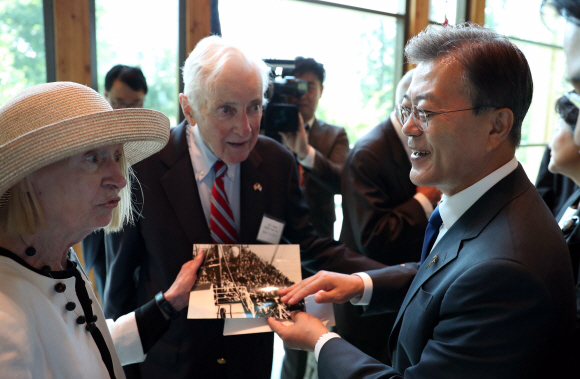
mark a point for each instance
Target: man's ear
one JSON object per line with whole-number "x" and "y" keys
{"x": 502, "y": 120}
{"x": 106, "y": 94}
{"x": 186, "y": 108}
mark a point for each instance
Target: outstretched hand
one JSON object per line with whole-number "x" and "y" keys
{"x": 327, "y": 287}
{"x": 303, "y": 334}
{"x": 178, "y": 294}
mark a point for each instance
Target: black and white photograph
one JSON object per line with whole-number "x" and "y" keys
{"x": 242, "y": 281}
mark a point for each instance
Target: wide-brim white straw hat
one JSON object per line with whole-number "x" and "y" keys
{"x": 50, "y": 122}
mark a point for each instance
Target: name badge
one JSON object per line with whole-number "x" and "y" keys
{"x": 271, "y": 230}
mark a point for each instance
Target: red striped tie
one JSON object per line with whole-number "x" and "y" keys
{"x": 222, "y": 219}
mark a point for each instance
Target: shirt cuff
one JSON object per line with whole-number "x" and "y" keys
{"x": 125, "y": 336}
{"x": 365, "y": 299}
{"x": 425, "y": 204}
{"x": 308, "y": 162}
{"x": 321, "y": 341}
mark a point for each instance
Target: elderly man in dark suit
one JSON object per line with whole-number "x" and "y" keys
{"x": 494, "y": 294}
{"x": 216, "y": 181}
{"x": 385, "y": 216}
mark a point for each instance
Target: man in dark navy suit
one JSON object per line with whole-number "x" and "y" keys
{"x": 494, "y": 295}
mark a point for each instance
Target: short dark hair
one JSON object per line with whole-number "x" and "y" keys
{"x": 131, "y": 76}
{"x": 303, "y": 65}
{"x": 496, "y": 73}
{"x": 569, "y": 9}
{"x": 567, "y": 111}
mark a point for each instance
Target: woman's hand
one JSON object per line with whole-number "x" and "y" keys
{"x": 178, "y": 294}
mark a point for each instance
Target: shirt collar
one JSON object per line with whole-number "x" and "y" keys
{"x": 453, "y": 207}
{"x": 203, "y": 157}
{"x": 310, "y": 123}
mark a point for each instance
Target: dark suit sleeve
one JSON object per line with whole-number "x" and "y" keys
{"x": 125, "y": 251}
{"x": 379, "y": 225}
{"x": 390, "y": 285}
{"x": 573, "y": 241}
{"x": 483, "y": 330}
{"x": 316, "y": 253}
{"x": 327, "y": 171}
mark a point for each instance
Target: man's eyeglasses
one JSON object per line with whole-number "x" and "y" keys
{"x": 420, "y": 116}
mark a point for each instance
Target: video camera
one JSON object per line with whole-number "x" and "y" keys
{"x": 279, "y": 116}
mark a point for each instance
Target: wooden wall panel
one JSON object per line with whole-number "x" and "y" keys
{"x": 418, "y": 19}
{"x": 418, "y": 16}
{"x": 198, "y": 22}
{"x": 72, "y": 41}
{"x": 476, "y": 11}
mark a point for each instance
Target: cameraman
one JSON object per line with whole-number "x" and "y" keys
{"x": 320, "y": 149}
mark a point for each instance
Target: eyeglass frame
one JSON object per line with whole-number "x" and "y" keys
{"x": 427, "y": 114}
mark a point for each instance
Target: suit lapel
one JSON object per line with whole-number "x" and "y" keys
{"x": 473, "y": 221}
{"x": 253, "y": 189}
{"x": 316, "y": 140}
{"x": 446, "y": 250}
{"x": 315, "y": 136}
{"x": 180, "y": 187}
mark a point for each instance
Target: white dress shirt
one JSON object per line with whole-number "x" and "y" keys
{"x": 203, "y": 160}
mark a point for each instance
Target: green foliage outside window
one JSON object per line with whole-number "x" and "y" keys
{"x": 22, "y": 52}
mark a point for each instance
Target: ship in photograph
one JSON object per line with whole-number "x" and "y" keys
{"x": 242, "y": 281}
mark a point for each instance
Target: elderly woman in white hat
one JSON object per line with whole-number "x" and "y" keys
{"x": 65, "y": 159}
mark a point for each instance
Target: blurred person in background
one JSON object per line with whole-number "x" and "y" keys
{"x": 320, "y": 150}
{"x": 125, "y": 87}
{"x": 385, "y": 216}
{"x": 565, "y": 160}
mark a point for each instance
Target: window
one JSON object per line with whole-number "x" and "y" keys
{"x": 543, "y": 50}
{"x": 22, "y": 51}
{"x": 440, "y": 9}
{"x": 141, "y": 34}
{"x": 361, "y": 51}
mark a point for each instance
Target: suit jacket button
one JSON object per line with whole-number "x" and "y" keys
{"x": 70, "y": 306}
{"x": 221, "y": 361}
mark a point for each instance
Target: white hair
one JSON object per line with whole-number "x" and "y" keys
{"x": 205, "y": 63}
